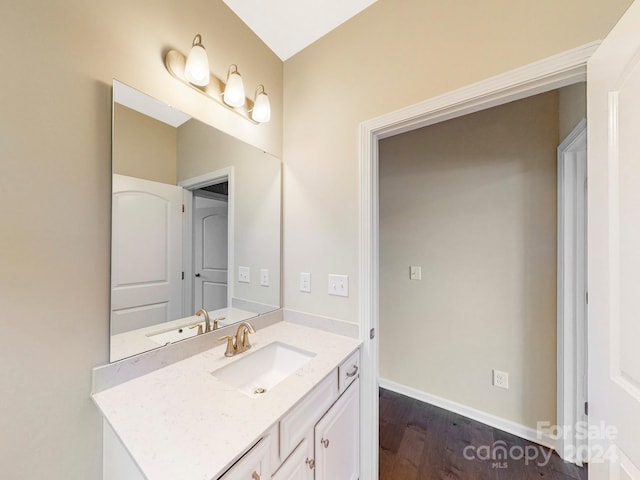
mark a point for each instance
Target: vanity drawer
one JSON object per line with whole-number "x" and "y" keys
{"x": 297, "y": 423}
{"x": 348, "y": 371}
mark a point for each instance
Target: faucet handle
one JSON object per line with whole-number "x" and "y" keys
{"x": 215, "y": 322}
{"x": 231, "y": 348}
{"x": 198, "y": 326}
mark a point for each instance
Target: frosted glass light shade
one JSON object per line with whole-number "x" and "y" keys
{"x": 234, "y": 91}
{"x": 196, "y": 69}
{"x": 261, "y": 108}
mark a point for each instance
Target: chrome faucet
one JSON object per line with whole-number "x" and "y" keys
{"x": 207, "y": 320}
{"x": 240, "y": 343}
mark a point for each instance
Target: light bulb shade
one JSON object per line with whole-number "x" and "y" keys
{"x": 234, "y": 91}
{"x": 261, "y": 108}
{"x": 196, "y": 69}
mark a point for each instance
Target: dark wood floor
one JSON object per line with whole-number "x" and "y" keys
{"x": 423, "y": 442}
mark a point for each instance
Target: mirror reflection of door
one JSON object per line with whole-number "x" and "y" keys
{"x": 146, "y": 281}
{"x": 210, "y": 224}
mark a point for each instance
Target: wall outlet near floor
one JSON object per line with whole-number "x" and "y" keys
{"x": 415, "y": 273}
{"x": 264, "y": 277}
{"x": 244, "y": 274}
{"x": 339, "y": 285}
{"x": 305, "y": 282}
{"x": 500, "y": 379}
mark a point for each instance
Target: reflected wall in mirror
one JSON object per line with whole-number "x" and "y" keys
{"x": 195, "y": 225}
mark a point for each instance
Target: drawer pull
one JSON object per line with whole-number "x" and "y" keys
{"x": 255, "y": 475}
{"x": 325, "y": 442}
{"x": 353, "y": 373}
{"x": 311, "y": 462}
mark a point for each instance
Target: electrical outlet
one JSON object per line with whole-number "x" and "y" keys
{"x": 305, "y": 282}
{"x": 500, "y": 379}
{"x": 264, "y": 277}
{"x": 244, "y": 274}
{"x": 415, "y": 273}
{"x": 339, "y": 285}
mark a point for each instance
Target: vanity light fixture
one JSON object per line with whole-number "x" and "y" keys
{"x": 194, "y": 72}
{"x": 234, "y": 91}
{"x": 261, "y": 112}
{"x": 197, "y": 67}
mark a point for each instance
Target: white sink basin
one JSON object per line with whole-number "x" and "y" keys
{"x": 258, "y": 372}
{"x": 176, "y": 334}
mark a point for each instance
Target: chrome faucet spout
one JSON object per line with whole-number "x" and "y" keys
{"x": 207, "y": 320}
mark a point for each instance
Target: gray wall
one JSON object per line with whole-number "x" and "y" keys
{"x": 473, "y": 201}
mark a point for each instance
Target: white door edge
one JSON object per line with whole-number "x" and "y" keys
{"x": 572, "y": 271}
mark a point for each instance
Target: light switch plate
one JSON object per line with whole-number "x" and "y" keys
{"x": 415, "y": 273}
{"x": 305, "y": 282}
{"x": 339, "y": 285}
{"x": 244, "y": 274}
{"x": 264, "y": 277}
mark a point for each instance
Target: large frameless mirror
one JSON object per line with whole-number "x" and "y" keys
{"x": 195, "y": 225}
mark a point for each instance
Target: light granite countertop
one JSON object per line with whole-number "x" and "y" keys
{"x": 182, "y": 422}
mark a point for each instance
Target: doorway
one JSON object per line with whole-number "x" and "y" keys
{"x": 208, "y": 229}
{"x": 210, "y": 246}
{"x": 555, "y": 72}
{"x": 470, "y": 204}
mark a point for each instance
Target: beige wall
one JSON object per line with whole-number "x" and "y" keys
{"x": 573, "y": 107}
{"x": 392, "y": 55}
{"x": 257, "y": 184}
{"x": 56, "y": 141}
{"x": 143, "y": 147}
{"x": 473, "y": 202}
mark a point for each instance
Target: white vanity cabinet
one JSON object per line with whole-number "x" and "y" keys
{"x": 325, "y": 440}
{"x": 337, "y": 438}
{"x": 254, "y": 465}
{"x": 300, "y": 464}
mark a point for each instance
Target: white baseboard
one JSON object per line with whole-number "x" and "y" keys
{"x": 503, "y": 424}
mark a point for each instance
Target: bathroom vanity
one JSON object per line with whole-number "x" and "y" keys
{"x": 288, "y": 408}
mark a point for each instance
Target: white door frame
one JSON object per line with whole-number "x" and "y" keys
{"x": 549, "y": 74}
{"x": 572, "y": 293}
{"x": 189, "y": 185}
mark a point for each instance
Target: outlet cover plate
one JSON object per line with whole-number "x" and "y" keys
{"x": 500, "y": 379}
{"x": 264, "y": 277}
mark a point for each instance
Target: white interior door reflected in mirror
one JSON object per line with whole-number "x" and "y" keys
{"x": 146, "y": 256}
{"x": 210, "y": 251}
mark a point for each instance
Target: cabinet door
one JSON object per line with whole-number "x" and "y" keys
{"x": 254, "y": 465}
{"x": 300, "y": 464}
{"x": 337, "y": 438}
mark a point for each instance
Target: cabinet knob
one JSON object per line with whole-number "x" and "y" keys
{"x": 325, "y": 442}
{"x": 311, "y": 462}
{"x": 255, "y": 475}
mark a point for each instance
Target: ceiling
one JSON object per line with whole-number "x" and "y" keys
{"x": 288, "y": 26}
